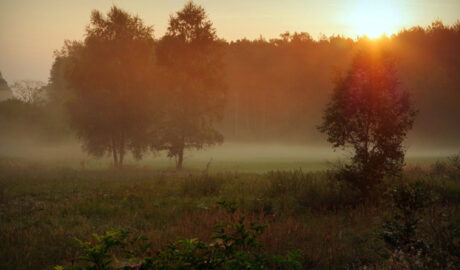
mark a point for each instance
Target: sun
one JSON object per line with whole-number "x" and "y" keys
{"x": 374, "y": 18}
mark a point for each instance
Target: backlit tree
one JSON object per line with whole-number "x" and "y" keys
{"x": 370, "y": 113}
{"x": 109, "y": 78}
{"x": 191, "y": 58}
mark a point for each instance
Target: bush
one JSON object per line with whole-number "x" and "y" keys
{"x": 420, "y": 234}
{"x": 449, "y": 169}
{"x": 235, "y": 246}
{"x": 446, "y": 175}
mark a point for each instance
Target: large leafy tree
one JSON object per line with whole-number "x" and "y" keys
{"x": 109, "y": 81}
{"x": 371, "y": 114}
{"x": 191, "y": 58}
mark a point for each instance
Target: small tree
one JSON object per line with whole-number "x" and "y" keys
{"x": 191, "y": 59}
{"x": 109, "y": 76}
{"x": 372, "y": 114}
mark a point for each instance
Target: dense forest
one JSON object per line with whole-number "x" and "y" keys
{"x": 277, "y": 88}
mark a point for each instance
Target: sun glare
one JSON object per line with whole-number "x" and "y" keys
{"x": 374, "y": 18}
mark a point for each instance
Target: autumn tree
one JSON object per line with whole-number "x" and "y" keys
{"x": 109, "y": 79}
{"x": 191, "y": 59}
{"x": 371, "y": 114}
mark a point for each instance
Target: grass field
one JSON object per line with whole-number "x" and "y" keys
{"x": 42, "y": 209}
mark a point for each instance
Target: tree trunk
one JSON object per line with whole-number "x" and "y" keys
{"x": 180, "y": 159}
{"x": 121, "y": 152}
{"x": 120, "y": 160}
{"x": 115, "y": 156}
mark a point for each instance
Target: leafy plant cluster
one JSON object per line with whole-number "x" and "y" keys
{"x": 421, "y": 233}
{"x": 234, "y": 245}
{"x": 449, "y": 169}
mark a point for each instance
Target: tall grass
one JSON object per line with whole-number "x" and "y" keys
{"x": 43, "y": 209}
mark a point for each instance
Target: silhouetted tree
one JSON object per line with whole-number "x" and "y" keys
{"x": 109, "y": 77}
{"x": 371, "y": 113}
{"x": 192, "y": 61}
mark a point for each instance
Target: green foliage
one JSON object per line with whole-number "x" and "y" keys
{"x": 229, "y": 206}
{"x": 420, "y": 233}
{"x": 97, "y": 253}
{"x": 234, "y": 246}
{"x": 408, "y": 200}
{"x": 449, "y": 169}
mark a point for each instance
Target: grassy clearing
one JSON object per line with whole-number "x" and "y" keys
{"x": 42, "y": 209}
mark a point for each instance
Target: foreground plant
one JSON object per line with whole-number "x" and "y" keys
{"x": 420, "y": 233}
{"x": 235, "y": 245}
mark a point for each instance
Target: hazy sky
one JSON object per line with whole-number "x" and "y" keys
{"x": 31, "y": 30}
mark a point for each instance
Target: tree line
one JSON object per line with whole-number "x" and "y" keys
{"x": 278, "y": 87}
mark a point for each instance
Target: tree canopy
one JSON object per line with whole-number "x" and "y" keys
{"x": 110, "y": 80}
{"x": 191, "y": 57}
{"x": 371, "y": 113}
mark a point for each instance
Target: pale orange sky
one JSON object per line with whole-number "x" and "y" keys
{"x": 30, "y": 30}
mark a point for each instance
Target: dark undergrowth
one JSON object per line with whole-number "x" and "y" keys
{"x": 406, "y": 223}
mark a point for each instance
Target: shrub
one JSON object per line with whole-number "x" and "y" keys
{"x": 449, "y": 169}
{"x": 235, "y": 245}
{"x": 419, "y": 233}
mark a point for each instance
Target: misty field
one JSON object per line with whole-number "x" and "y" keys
{"x": 159, "y": 142}
{"x": 44, "y": 208}
{"x": 233, "y": 157}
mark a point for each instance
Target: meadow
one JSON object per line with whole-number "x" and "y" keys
{"x": 341, "y": 149}
{"x": 44, "y": 208}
